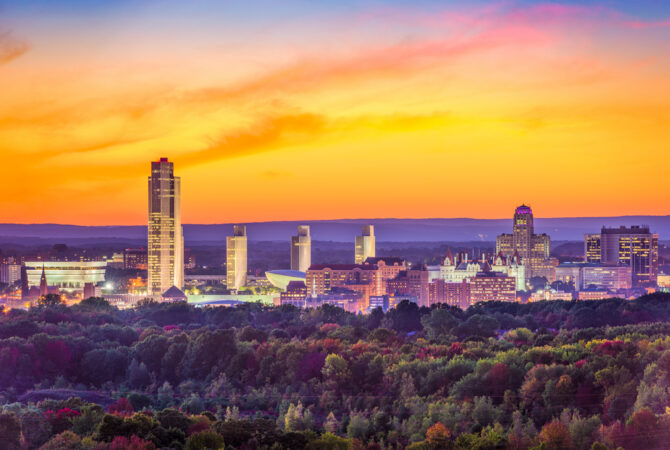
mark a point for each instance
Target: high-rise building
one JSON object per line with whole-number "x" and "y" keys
{"x": 533, "y": 249}
{"x": 365, "y": 244}
{"x": 10, "y": 273}
{"x": 236, "y": 258}
{"x": 301, "y": 249}
{"x": 165, "y": 251}
{"x": 592, "y": 248}
{"x": 635, "y": 247}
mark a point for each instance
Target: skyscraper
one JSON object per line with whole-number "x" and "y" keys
{"x": 634, "y": 246}
{"x": 533, "y": 249}
{"x": 165, "y": 251}
{"x": 365, "y": 244}
{"x": 236, "y": 258}
{"x": 301, "y": 249}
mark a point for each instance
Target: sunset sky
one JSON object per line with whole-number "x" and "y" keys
{"x": 320, "y": 110}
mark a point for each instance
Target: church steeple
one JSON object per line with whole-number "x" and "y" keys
{"x": 44, "y": 289}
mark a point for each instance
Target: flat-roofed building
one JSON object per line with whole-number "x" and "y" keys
{"x": 135, "y": 258}
{"x": 301, "y": 249}
{"x": 633, "y": 246}
{"x": 67, "y": 276}
{"x": 365, "y": 244}
{"x": 10, "y": 273}
{"x": 492, "y": 287}
{"x": 236, "y": 258}
{"x": 165, "y": 249}
{"x": 321, "y": 278}
{"x": 452, "y": 294}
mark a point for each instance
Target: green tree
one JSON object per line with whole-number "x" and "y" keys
{"x": 205, "y": 440}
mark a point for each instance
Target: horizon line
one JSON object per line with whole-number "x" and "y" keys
{"x": 343, "y": 219}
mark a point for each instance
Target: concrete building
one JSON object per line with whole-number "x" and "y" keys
{"x": 452, "y": 294}
{"x": 389, "y": 266}
{"x": 611, "y": 278}
{"x": 456, "y": 270}
{"x": 135, "y": 258}
{"x": 492, "y": 286}
{"x": 413, "y": 282}
{"x": 165, "y": 250}
{"x": 69, "y": 276}
{"x": 322, "y": 278}
{"x": 10, "y": 273}
{"x": 634, "y": 246}
{"x": 301, "y": 249}
{"x": 365, "y": 244}
{"x": 236, "y": 258}
{"x": 533, "y": 249}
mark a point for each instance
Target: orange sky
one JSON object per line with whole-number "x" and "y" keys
{"x": 394, "y": 112}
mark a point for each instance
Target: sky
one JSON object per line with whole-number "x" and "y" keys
{"x": 321, "y": 110}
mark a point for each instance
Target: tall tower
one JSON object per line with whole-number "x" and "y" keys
{"x": 301, "y": 249}
{"x": 523, "y": 231}
{"x": 236, "y": 258}
{"x": 365, "y": 244}
{"x": 165, "y": 250}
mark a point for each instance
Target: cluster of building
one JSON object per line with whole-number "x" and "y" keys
{"x": 618, "y": 261}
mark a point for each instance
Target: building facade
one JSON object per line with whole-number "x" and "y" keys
{"x": 70, "y": 276}
{"x": 10, "y": 273}
{"x": 492, "y": 286}
{"x": 452, "y": 294}
{"x": 365, "y": 244}
{"x": 236, "y": 258}
{"x": 135, "y": 258}
{"x": 301, "y": 249}
{"x": 165, "y": 250}
{"x": 533, "y": 249}
{"x": 635, "y": 247}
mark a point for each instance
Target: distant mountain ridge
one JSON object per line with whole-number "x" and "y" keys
{"x": 342, "y": 230}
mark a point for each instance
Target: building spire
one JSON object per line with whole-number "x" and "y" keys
{"x": 44, "y": 288}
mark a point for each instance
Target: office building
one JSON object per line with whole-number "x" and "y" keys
{"x": 301, "y": 249}
{"x": 236, "y": 258}
{"x": 295, "y": 294}
{"x": 165, "y": 250}
{"x": 365, "y": 244}
{"x": 389, "y": 266}
{"x": 135, "y": 258}
{"x": 492, "y": 286}
{"x": 452, "y": 294}
{"x": 592, "y": 248}
{"x": 413, "y": 282}
{"x": 635, "y": 247}
{"x": 533, "y": 249}
{"x": 69, "y": 276}
{"x": 10, "y": 273}
{"x": 322, "y": 278}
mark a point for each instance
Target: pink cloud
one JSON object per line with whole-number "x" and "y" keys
{"x": 639, "y": 24}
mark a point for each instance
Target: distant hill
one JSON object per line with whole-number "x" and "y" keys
{"x": 344, "y": 230}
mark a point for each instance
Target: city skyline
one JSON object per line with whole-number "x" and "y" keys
{"x": 436, "y": 97}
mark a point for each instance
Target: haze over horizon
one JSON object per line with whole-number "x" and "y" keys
{"x": 360, "y": 108}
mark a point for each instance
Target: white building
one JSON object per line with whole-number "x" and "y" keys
{"x": 68, "y": 276}
{"x": 365, "y": 245}
{"x": 236, "y": 258}
{"x": 455, "y": 270}
{"x": 301, "y": 249}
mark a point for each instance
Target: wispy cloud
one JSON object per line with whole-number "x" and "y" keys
{"x": 11, "y": 48}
